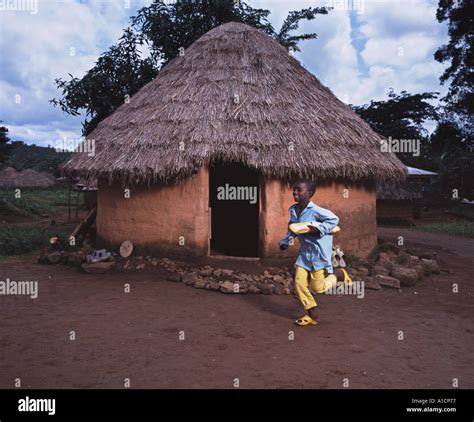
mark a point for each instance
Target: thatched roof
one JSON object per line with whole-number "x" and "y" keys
{"x": 33, "y": 178}
{"x": 235, "y": 95}
{"x": 7, "y": 176}
{"x": 397, "y": 191}
{"x": 10, "y": 177}
{"x": 49, "y": 176}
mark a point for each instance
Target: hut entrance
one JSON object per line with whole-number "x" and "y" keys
{"x": 234, "y": 203}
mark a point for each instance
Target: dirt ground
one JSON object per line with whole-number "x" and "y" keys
{"x": 136, "y": 335}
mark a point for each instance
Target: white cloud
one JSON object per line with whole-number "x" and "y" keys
{"x": 65, "y": 36}
{"x": 394, "y": 17}
{"x": 401, "y": 38}
{"x": 356, "y": 54}
{"x": 390, "y": 45}
{"x": 43, "y": 135}
{"x": 400, "y": 52}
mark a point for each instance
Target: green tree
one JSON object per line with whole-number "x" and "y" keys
{"x": 162, "y": 29}
{"x": 402, "y": 116}
{"x": 452, "y": 141}
{"x": 118, "y": 72}
{"x": 5, "y": 146}
{"x": 23, "y": 156}
{"x": 453, "y": 158}
{"x": 459, "y": 53}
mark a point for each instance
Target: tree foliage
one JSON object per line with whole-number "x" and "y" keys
{"x": 5, "y": 146}
{"x": 459, "y": 53}
{"x": 402, "y": 116}
{"x": 156, "y": 35}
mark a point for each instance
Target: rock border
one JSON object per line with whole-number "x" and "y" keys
{"x": 389, "y": 266}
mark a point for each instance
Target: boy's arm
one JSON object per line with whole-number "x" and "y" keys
{"x": 288, "y": 239}
{"x": 328, "y": 220}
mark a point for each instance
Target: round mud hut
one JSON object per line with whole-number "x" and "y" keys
{"x": 200, "y": 160}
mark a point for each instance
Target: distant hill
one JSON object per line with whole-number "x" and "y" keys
{"x": 23, "y": 156}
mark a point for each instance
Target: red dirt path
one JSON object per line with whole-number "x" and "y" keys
{"x": 135, "y": 335}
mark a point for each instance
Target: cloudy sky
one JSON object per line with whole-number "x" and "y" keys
{"x": 363, "y": 48}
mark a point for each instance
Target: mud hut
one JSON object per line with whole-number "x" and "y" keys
{"x": 235, "y": 111}
{"x": 396, "y": 202}
{"x": 423, "y": 179}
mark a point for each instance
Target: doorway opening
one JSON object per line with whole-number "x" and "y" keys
{"x": 234, "y": 203}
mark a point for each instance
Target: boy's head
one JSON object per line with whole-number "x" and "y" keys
{"x": 303, "y": 190}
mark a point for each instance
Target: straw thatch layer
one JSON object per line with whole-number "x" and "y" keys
{"x": 7, "y": 176}
{"x": 26, "y": 178}
{"x": 33, "y": 178}
{"x": 236, "y": 95}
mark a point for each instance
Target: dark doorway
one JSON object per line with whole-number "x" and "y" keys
{"x": 234, "y": 202}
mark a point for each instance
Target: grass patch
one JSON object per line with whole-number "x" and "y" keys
{"x": 15, "y": 240}
{"x": 463, "y": 210}
{"x": 455, "y": 228}
{"x": 35, "y": 201}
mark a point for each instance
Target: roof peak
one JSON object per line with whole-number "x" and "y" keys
{"x": 235, "y": 95}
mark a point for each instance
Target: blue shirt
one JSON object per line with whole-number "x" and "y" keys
{"x": 315, "y": 249}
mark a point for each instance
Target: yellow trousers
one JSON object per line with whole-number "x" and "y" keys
{"x": 307, "y": 281}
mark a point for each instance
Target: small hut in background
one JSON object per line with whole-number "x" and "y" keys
{"x": 33, "y": 178}
{"x": 396, "y": 202}
{"x": 7, "y": 176}
{"x": 235, "y": 111}
{"x": 422, "y": 179}
{"x": 27, "y": 178}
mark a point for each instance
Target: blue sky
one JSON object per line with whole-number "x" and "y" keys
{"x": 364, "y": 47}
